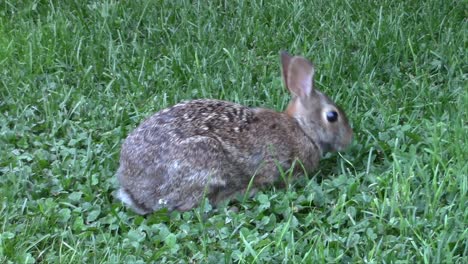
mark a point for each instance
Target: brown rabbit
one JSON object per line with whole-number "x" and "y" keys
{"x": 214, "y": 148}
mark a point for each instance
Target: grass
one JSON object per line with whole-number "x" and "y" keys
{"x": 77, "y": 76}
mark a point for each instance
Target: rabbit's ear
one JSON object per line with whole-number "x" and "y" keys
{"x": 298, "y": 74}
{"x": 285, "y": 61}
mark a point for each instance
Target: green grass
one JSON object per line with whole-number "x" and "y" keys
{"x": 77, "y": 76}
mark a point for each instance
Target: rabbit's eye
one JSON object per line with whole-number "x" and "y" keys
{"x": 332, "y": 116}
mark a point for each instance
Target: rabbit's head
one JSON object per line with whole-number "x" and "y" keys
{"x": 322, "y": 120}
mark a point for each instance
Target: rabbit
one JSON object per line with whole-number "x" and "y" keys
{"x": 216, "y": 149}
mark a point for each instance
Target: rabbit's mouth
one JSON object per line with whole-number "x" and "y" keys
{"x": 326, "y": 147}
{"x": 330, "y": 147}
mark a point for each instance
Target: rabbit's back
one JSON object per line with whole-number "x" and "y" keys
{"x": 160, "y": 136}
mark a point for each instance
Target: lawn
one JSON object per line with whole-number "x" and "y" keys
{"x": 77, "y": 76}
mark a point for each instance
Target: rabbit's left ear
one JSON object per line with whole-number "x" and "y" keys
{"x": 298, "y": 74}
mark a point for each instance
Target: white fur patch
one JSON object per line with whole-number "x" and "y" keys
{"x": 123, "y": 196}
